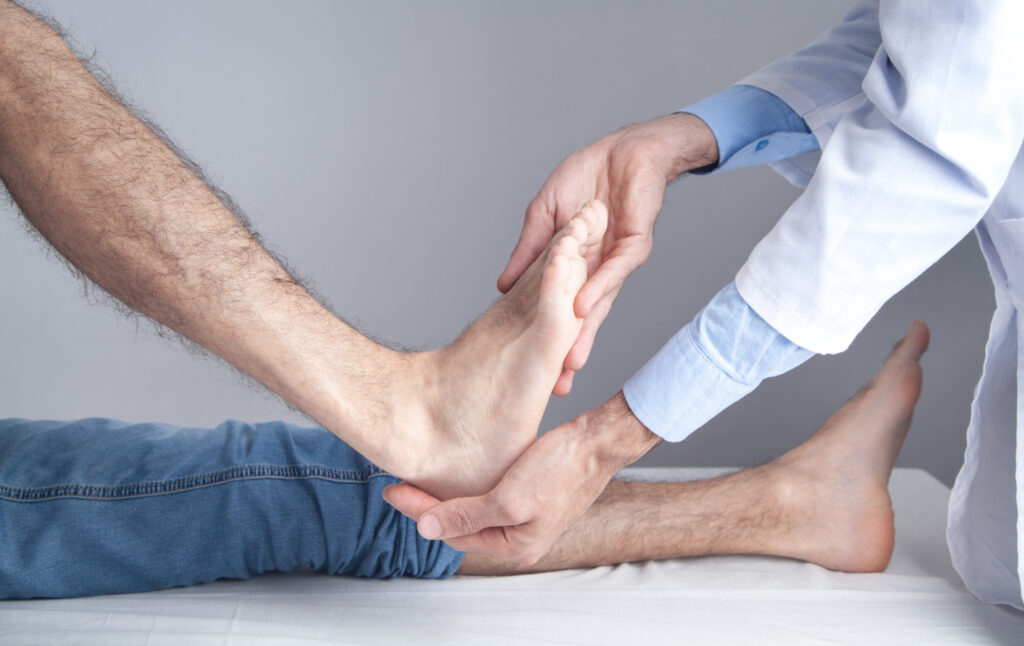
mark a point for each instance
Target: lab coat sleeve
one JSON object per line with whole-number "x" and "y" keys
{"x": 728, "y": 349}
{"x": 904, "y": 175}
{"x": 822, "y": 82}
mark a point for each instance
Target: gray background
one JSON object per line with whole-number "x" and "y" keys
{"x": 388, "y": 150}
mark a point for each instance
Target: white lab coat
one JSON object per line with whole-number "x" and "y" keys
{"x": 919, "y": 109}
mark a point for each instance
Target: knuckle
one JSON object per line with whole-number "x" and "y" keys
{"x": 541, "y": 210}
{"x": 643, "y": 251}
{"x": 520, "y": 514}
{"x": 509, "y": 510}
{"x": 459, "y": 521}
{"x": 533, "y": 211}
{"x": 580, "y": 157}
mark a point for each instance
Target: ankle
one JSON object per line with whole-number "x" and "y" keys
{"x": 839, "y": 524}
{"x": 407, "y": 389}
{"x": 784, "y": 489}
{"x": 372, "y": 404}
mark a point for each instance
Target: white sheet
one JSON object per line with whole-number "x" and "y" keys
{"x": 714, "y": 600}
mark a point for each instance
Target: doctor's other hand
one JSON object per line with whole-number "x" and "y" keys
{"x": 551, "y": 484}
{"x": 628, "y": 170}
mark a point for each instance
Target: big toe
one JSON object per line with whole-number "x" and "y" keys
{"x": 899, "y": 380}
{"x": 914, "y": 344}
{"x": 564, "y": 273}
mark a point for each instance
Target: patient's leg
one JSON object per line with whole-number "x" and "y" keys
{"x": 122, "y": 205}
{"x": 97, "y": 506}
{"x": 825, "y": 501}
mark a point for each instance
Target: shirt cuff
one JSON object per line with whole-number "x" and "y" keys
{"x": 680, "y": 389}
{"x": 752, "y": 127}
{"x": 723, "y": 354}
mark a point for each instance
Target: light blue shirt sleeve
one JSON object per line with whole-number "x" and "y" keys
{"x": 728, "y": 349}
{"x": 722, "y": 355}
{"x": 752, "y": 127}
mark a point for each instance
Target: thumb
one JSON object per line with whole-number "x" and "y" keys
{"x": 409, "y": 500}
{"x": 629, "y": 254}
{"x": 462, "y": 517}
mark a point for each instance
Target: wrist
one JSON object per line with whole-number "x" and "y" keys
{"x": 616, "y": 437}
{"x": 686, "y": 143}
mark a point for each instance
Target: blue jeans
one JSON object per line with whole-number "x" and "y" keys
{"x": 99, "y": 506}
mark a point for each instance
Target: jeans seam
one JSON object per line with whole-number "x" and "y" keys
{"x": 142, "y": 489}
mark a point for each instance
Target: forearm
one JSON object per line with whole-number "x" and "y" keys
{"x": 115, "y": 201}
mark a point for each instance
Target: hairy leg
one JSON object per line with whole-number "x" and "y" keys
{"x": 120, "y": 205}
{"x": 825, "y": 501}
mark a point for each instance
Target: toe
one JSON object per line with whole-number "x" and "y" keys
{"x": 564, "y": 274}
{"x": 586, "y": 227}
{"x": 594, "y": 215}
{"x": 554, "y": 302}
{"x": 567, "y": 246}
{"x": 914, "y": 343}
{"x": 921, "y": 336}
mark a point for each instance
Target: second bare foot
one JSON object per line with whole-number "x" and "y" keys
{"x": 831, "y": 491}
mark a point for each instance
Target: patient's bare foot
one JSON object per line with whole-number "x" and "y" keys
{"x": 831, "y": 491}
{"x": 483, "y": 396}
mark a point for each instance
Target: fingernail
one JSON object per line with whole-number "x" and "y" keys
{"x": 429, "y": 527}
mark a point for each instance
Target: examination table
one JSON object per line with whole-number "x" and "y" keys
{"x": 746, "y": 600}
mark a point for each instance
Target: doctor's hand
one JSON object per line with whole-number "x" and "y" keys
{"x": 551, "y": 484}
{"x": 628, "y": 170}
